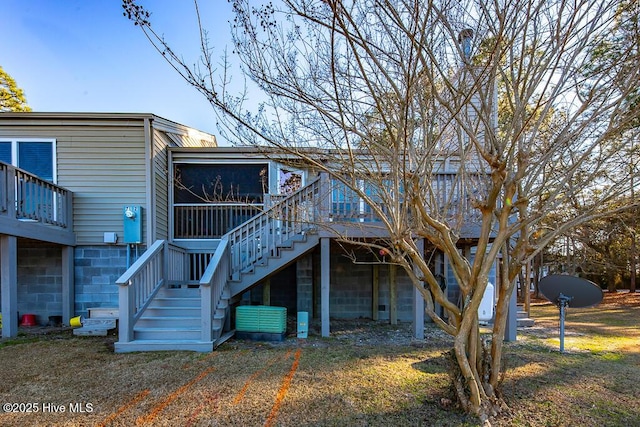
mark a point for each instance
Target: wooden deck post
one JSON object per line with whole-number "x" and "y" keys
{"x": 418, "y": 302}
{"x": 393, "y": 295}
{"x": 266, "y": 292}
{"x": 325, "y": 269}
{"x": 9, "y": 285}
{"x": 125, "y": 320}
{"x": 206, "y": 313}
{"x": 68, "y": 284}
{"x": 325, "y": 198}
{"x": 511, "y": 329}
{"x": 527, "y": 284}
{"x": 375, "y": 296}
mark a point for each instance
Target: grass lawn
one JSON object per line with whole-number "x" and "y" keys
{"x": 366, "y": 374}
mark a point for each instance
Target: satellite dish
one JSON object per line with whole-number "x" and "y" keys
{"x": 582, "y": 293}
{"x": 569, "y": 291}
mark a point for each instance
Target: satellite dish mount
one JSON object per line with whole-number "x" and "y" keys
{"x": 563, "y": 303}
{"x": 567, "y": 291}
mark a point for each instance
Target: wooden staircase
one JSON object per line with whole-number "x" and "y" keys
{"x": 173, "y": 321}
{"x": 174, "y": 314}
{"x": 161, "y": 307}
{"x": 281, "y": 257}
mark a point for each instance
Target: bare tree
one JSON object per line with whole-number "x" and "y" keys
{"x": 398, "y": 101}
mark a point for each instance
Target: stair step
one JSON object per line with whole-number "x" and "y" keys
{"x": 103, "y": 312}
{"x": 296, "y": 238}
{"x": 154, "y": 311}
{"x": 99, "y": 322}
{"x": 525, "y": 322}
{"x": 168, "y": 322}
{"x": 89, "y": 332}
{"x": 165, "y": 334}
{"x": 164, "y": 345}
{"x": 175, "y": 302}
{"x": 95, "y": 327}
{"x": 179, "y": 292}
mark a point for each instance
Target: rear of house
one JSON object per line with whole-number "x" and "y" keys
{"x": 176, "y": 232}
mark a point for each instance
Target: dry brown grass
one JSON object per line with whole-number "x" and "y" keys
{"x": 367, "y": 374}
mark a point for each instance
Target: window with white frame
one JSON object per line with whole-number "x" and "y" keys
{"x": 36, "y": 156}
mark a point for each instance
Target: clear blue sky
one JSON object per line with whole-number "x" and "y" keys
{"x": 84, "y": 55}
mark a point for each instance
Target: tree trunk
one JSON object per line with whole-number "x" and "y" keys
{"x": 489, "y": 403}
{"x": 632, "y": 281}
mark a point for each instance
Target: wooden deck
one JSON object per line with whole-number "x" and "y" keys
{"x": 333, "y": 209}
{"x": 32, "y": 208}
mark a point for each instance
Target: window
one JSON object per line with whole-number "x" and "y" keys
{"x": 347, "y": 205}
{"x": 36, "y": 156}
{"x": 220, "y": 183}
{"x": 5, "y": 151}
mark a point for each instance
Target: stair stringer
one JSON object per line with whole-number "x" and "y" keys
{"x": 272, "y": 264}
{"x": 221, "y": 320}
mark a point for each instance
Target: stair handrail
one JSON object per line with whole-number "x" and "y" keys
{"x": 142, "y": 281}
{"x": 262, "y": 234}
{"x": 212, "y": 285}
{"x": 268, "y": 211}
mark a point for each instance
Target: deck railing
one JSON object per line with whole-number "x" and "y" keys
{"x": 25, "y": 196}
{"x": 162, "y": 263}
{"x": 210, "y": 220}
{"x": 449, "y": 199}
{"x": 197, "y": 263}
{"x": 212, "y": 286}
{"x": 261, "y": 235}
{"x": 344, "y": 205}
{"x": 8, "y": 197}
